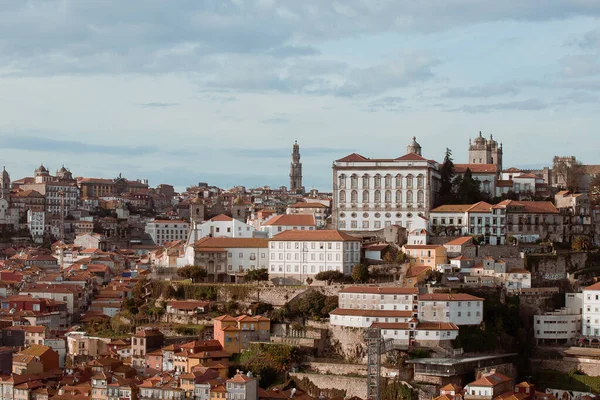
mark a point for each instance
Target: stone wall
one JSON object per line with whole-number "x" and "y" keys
{"x": 348, "y": 343}
{"x": 589, "y": 366}
{"x": 336, "y": 368}
{"x": 353, "y": 386}
{"x": 545, "y": 267}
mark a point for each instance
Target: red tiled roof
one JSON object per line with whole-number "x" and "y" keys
{"x": 323, "y": 235}
{"x": 449, "y": 297}
{"x": 411, "y": 157}
{"x": 307, "y": 205}
{"x": 292, "y": 220}
{"x": 459, "y": 241}
{"x": 353, "y": 158}
{"x": 534, "y": 207}
{"x": 221, "y": 218}
{"x": 491, "y": 380}
{"x": 595, "y": 286}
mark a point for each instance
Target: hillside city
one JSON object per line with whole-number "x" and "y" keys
{"x": 413, "y": 278}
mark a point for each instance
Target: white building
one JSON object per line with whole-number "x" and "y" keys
{"x": 414, "y": 332}
{"x": 169, "y": 230}
{"x": 280, "y": 223}
{"x": 222, "y": 226}
{"x": 370, "y": 194}
{"x": 365, "y": 318}
{"x": 591, "y": 311}
{"x": 560, "y": 326}
{"x": 360, "y": 306}
{"x": 471, "y": 219}
{"x": 378, "y": 298}
{"x": 297, "y": 254}
{"x": 458, "y": 308}
{"x": 36, "y": 223}
{"x": 488, "y": 386}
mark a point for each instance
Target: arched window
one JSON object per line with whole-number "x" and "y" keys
{"x": 388, "y": 196}
{"x": 377, "y": 196}
{"x": 388, "y": 181}
{"x": 420, "y": 196}
{"x": 342, "y": 183}
{"x": 365, "y": 196}
{"x": 365, "y": 181}
{"x": 420, "y": 181}
{"x": 354, "y": 196}
{"x": 398, "y": 196}
{"x": 354, "y": 181}
{"x": 398, "y": 181}
{"x": 409, "y": 196}
{"x": 377, "y": 181}
{"x": 409, "y": 181}
{"x": 342, "y": 196}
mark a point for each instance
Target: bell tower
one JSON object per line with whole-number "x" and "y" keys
{"x": 4, "y": 184}
{"x": 296, "y": 170}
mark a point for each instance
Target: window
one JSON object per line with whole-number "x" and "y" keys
{"x": 388, "y": 196}
{"x": 365, "y": 196}
{"x": 409, "y": 196}
{"x": 342, "y": 196}
{"x": 354, "y": 196}
{"x": 377, "y": 196}
{"x": 398, "y": 181}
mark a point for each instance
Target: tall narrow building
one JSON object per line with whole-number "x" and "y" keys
{"x": 296, "y": 170}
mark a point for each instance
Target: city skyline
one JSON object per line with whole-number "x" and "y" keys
{"x": 219, "y": 93}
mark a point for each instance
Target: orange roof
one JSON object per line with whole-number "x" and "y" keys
{"x": 459, "y": 241}
{"x": 595, "y": 286}
{"x": 450, "y": 386}
{"x": 411, "y": 157}
{"x": 241, "y": 378}
{"x": 475, "y": 168}
{"x": 221, "y": 218}
{"x": 423, "y": 246}
{"x": 322, "y": 235}
{"x": 307, "y": 205}
{"x": 504, "y": 183}
{"x": 292, "y": 220}
{"x": 417, "y": 270}
{"x": 535, "y": 207}
{"x": 491, "y": 380}
{"x": 446, "y": 208}
{"x": 482, "y": 206}
{"x": 449, "y": 297}
{"x": 436, "y": 326}
{"x": 227, "y": 242}
{"x": 353, "y": 158}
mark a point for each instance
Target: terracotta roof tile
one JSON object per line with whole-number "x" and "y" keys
{"x": 323, "y": 235}
{"x": 292, "y": 220}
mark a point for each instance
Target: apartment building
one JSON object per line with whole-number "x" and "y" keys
{"x": 296, "y": 255}
{"x": 458, "y": 308}
{"x": 162, "y": 231}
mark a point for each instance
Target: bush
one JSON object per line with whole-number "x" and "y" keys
{"x": 330, "y": 276}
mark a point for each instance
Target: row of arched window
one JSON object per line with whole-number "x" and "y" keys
{"x": 387, "y": 196}
{"x": 387, "y": 180}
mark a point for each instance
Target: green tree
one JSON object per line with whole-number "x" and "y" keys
{"x": 467, "y": 188}
{"x": 446, "y": 193}
{"x": 581, "y": 243}
{"x": 261, "y": 274}
{"x": 193, "y": 272}
{"x": 360, "y": 273}
{"x": 329, "y": 276}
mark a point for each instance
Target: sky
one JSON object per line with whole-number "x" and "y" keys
{"x": 187, "y": 91}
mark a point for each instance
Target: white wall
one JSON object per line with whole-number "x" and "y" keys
{"x": 591, "y": 313}
{"x": 457, "y": 312}
{"x": 308, "y": 258}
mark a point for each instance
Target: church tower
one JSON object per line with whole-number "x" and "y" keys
{"x": 4, "y": 184}
{"x": 413, "y": 147}
{"x": 296, "y": 170}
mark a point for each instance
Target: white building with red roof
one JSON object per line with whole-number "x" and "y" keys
{"x": 296, "y": 254}
{"x": 167, "y": 230}
{"x": 280, "y": 223}
{"x": 370, "y": 194}
{"x": 591, "y": 311}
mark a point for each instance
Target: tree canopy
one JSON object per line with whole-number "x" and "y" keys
{"x": 330, "y": 276}
{"x": 446, "y": 193}
{"x": 467, "y": 188}
{"x": 360, "y": 273}
{"x": 261, "y": 274}
{"x": 193, "y": 272}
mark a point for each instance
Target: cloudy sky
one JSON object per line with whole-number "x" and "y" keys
{"x": 186, "y": 91}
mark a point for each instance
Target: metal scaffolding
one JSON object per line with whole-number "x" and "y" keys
{"x": 374, "y": 350}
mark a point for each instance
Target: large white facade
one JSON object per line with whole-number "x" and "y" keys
{"x": 298, "y": 255}
{"x": 460, "y": 308}
{"x": 162, "y": 231}
{"x": 591, "y": 311}
{"x": 370, "y": 194}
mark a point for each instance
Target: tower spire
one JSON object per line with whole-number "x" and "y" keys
{"x": 296, "y": 170}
